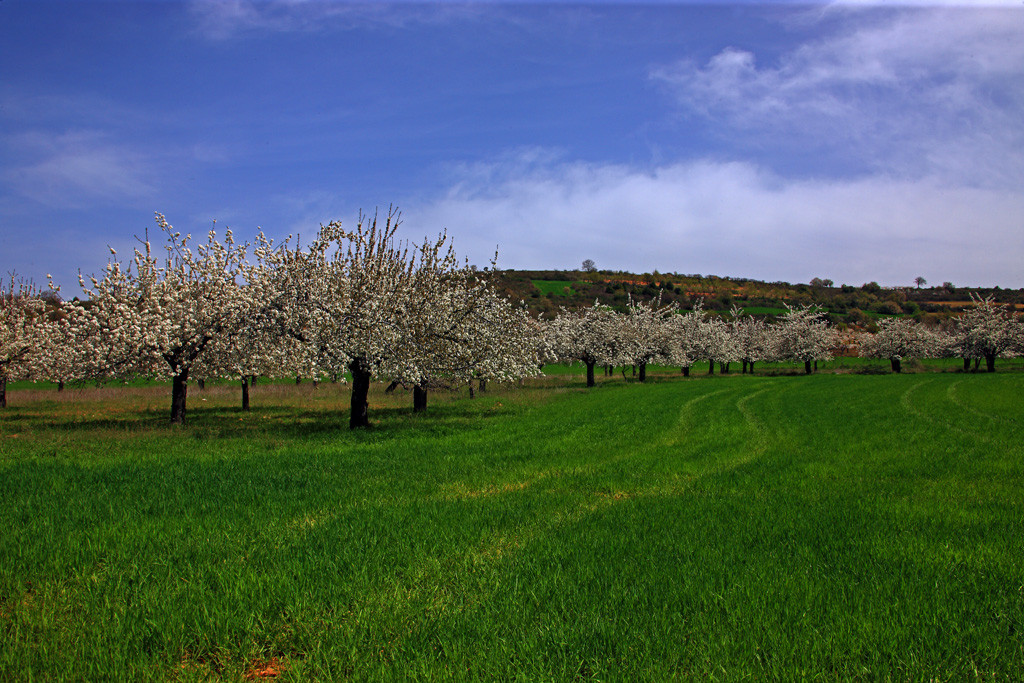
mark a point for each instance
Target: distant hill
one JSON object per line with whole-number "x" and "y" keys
{"x": 546, "y": 291}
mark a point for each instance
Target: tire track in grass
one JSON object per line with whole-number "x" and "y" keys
{"x": 431, "y": 586}
{"x": 751, "y": 419}
{"x": 906, "y": 400}
{"x": 951, "y": 395}
{"x": 676, "y": 433}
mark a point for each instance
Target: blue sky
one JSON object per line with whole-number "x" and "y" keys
{"x": 849, "y": 141}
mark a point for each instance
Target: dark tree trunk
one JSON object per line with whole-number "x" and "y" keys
{"x": 359, "y": 414}
{"x": 334, "y": 378}
{"x": 60, "y": 385}
{"x": 252, "y": 381}
{"x": 245, "y": 393}
{"x": 201, "y": 383}
{"x": 391, "y": 387}
{"x": 179, "y": 392}
{"x": 419, "y": 399}
{"x": 897, "y": 366}
{"x": 977, "y": 364}
{"x": 590, "y": 375}
{"x": 298, "y": 380}
{"x": 623, "y": 372}
{"x": 743, "y": 370}
{"x": 472, "y": 394}
{"x": 990, "y": 362}
{"x": 724, "y": 367}
{"x": 3, "y": 391}
{"x": 608, "y": 371}
{"x": 686, "y": 371}
{"x": 483, "y": 385}
{"x": 967, "y": 364}
{"x": 807, "y": 367}
{"x": 751, "y": 367}
{"x": 634, "y": 371}
{"x": 711, "y": 367}
{"x": 643, "y": 372}
{"x": 815, "y": 366}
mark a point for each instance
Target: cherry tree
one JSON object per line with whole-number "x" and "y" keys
{"x": 751, "y": 339}
{"x": 158, "y": 317}
{"x": 897, "y": 339}
{"x": 65, "y": 356}
{"x": 686, "y": 334}
{"x": 364, "y": 302}
{"x": 717, "y": 343}
{"x": 23, "y": 331}
{"x": 462, "y": 330}
{"x": 585, "y": 336}
{"x": 986, "y": 330}
{"x": 803, "y": 335}
{"x": 645, "y": 333}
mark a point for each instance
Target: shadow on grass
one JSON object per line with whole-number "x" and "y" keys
{"x": 268, "y": 421}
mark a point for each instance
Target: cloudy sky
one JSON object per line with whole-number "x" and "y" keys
{"x": 852, "y": 141}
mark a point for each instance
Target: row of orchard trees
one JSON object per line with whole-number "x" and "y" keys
{"x": 354, "y": 301}
{"x": 648, "y": 332}
{"x": 364, "y": 303}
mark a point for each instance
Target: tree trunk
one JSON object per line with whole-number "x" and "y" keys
{"x": 897, "y": 366}
{"x": 252, "y": 381}
{"x": 990, "y": 362}
{"x": 686, "y": 371}
{"x": 967, "y": 364}
{"x": 245, "y": 393}
{"x": 643, "y": 372}
{"x": 3, "y": 391}
{"x": 807, "y": 367}
{"x": 419, "y": 399}
{"x": 391, "y": 387}
{"x": 751, "y": 367}
{"x": 298, "y": 379}
{"x": 60, "y": 385}
{"x": 472, "y": 394}
{"x": 711, "y": 367}
{"x": 634, "y": 371}
{"x": 743, "y": 370}
{"x": 590, "y": 374}
{"x": 359, "y": 414}
{"x": 483, "y": 385}
{"x": 201, "y": 383}
{"x": 724, "y": 367}
{"x": 179, "y": 392}
{"x": 977, "y": 364}
{"x": 815, "y": 366}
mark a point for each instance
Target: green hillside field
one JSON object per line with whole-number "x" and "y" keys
{"x": 833, "y": 526}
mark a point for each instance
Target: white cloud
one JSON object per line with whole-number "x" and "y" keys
{"x": 76, "y": 168}
{"x": 732, "y": 219}
{"x": 225, "y": 19}
{"x": 915, "y": 92}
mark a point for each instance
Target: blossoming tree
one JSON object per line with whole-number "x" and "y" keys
{"x": 897, "y": 339}
{"x": 158, "y": 317}
{"x": 23, "y": 330}
{"x": 803, "y": 335}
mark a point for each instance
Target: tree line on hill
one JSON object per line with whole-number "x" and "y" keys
{"x": 856, "y": 306}
{"x": 361, "y": 304}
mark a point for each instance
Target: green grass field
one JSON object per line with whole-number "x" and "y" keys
{"x": 836, "y": 526}
{"x": 554, "y": 287}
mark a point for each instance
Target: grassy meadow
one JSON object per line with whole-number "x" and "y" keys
{"x": 834, "y": 526}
